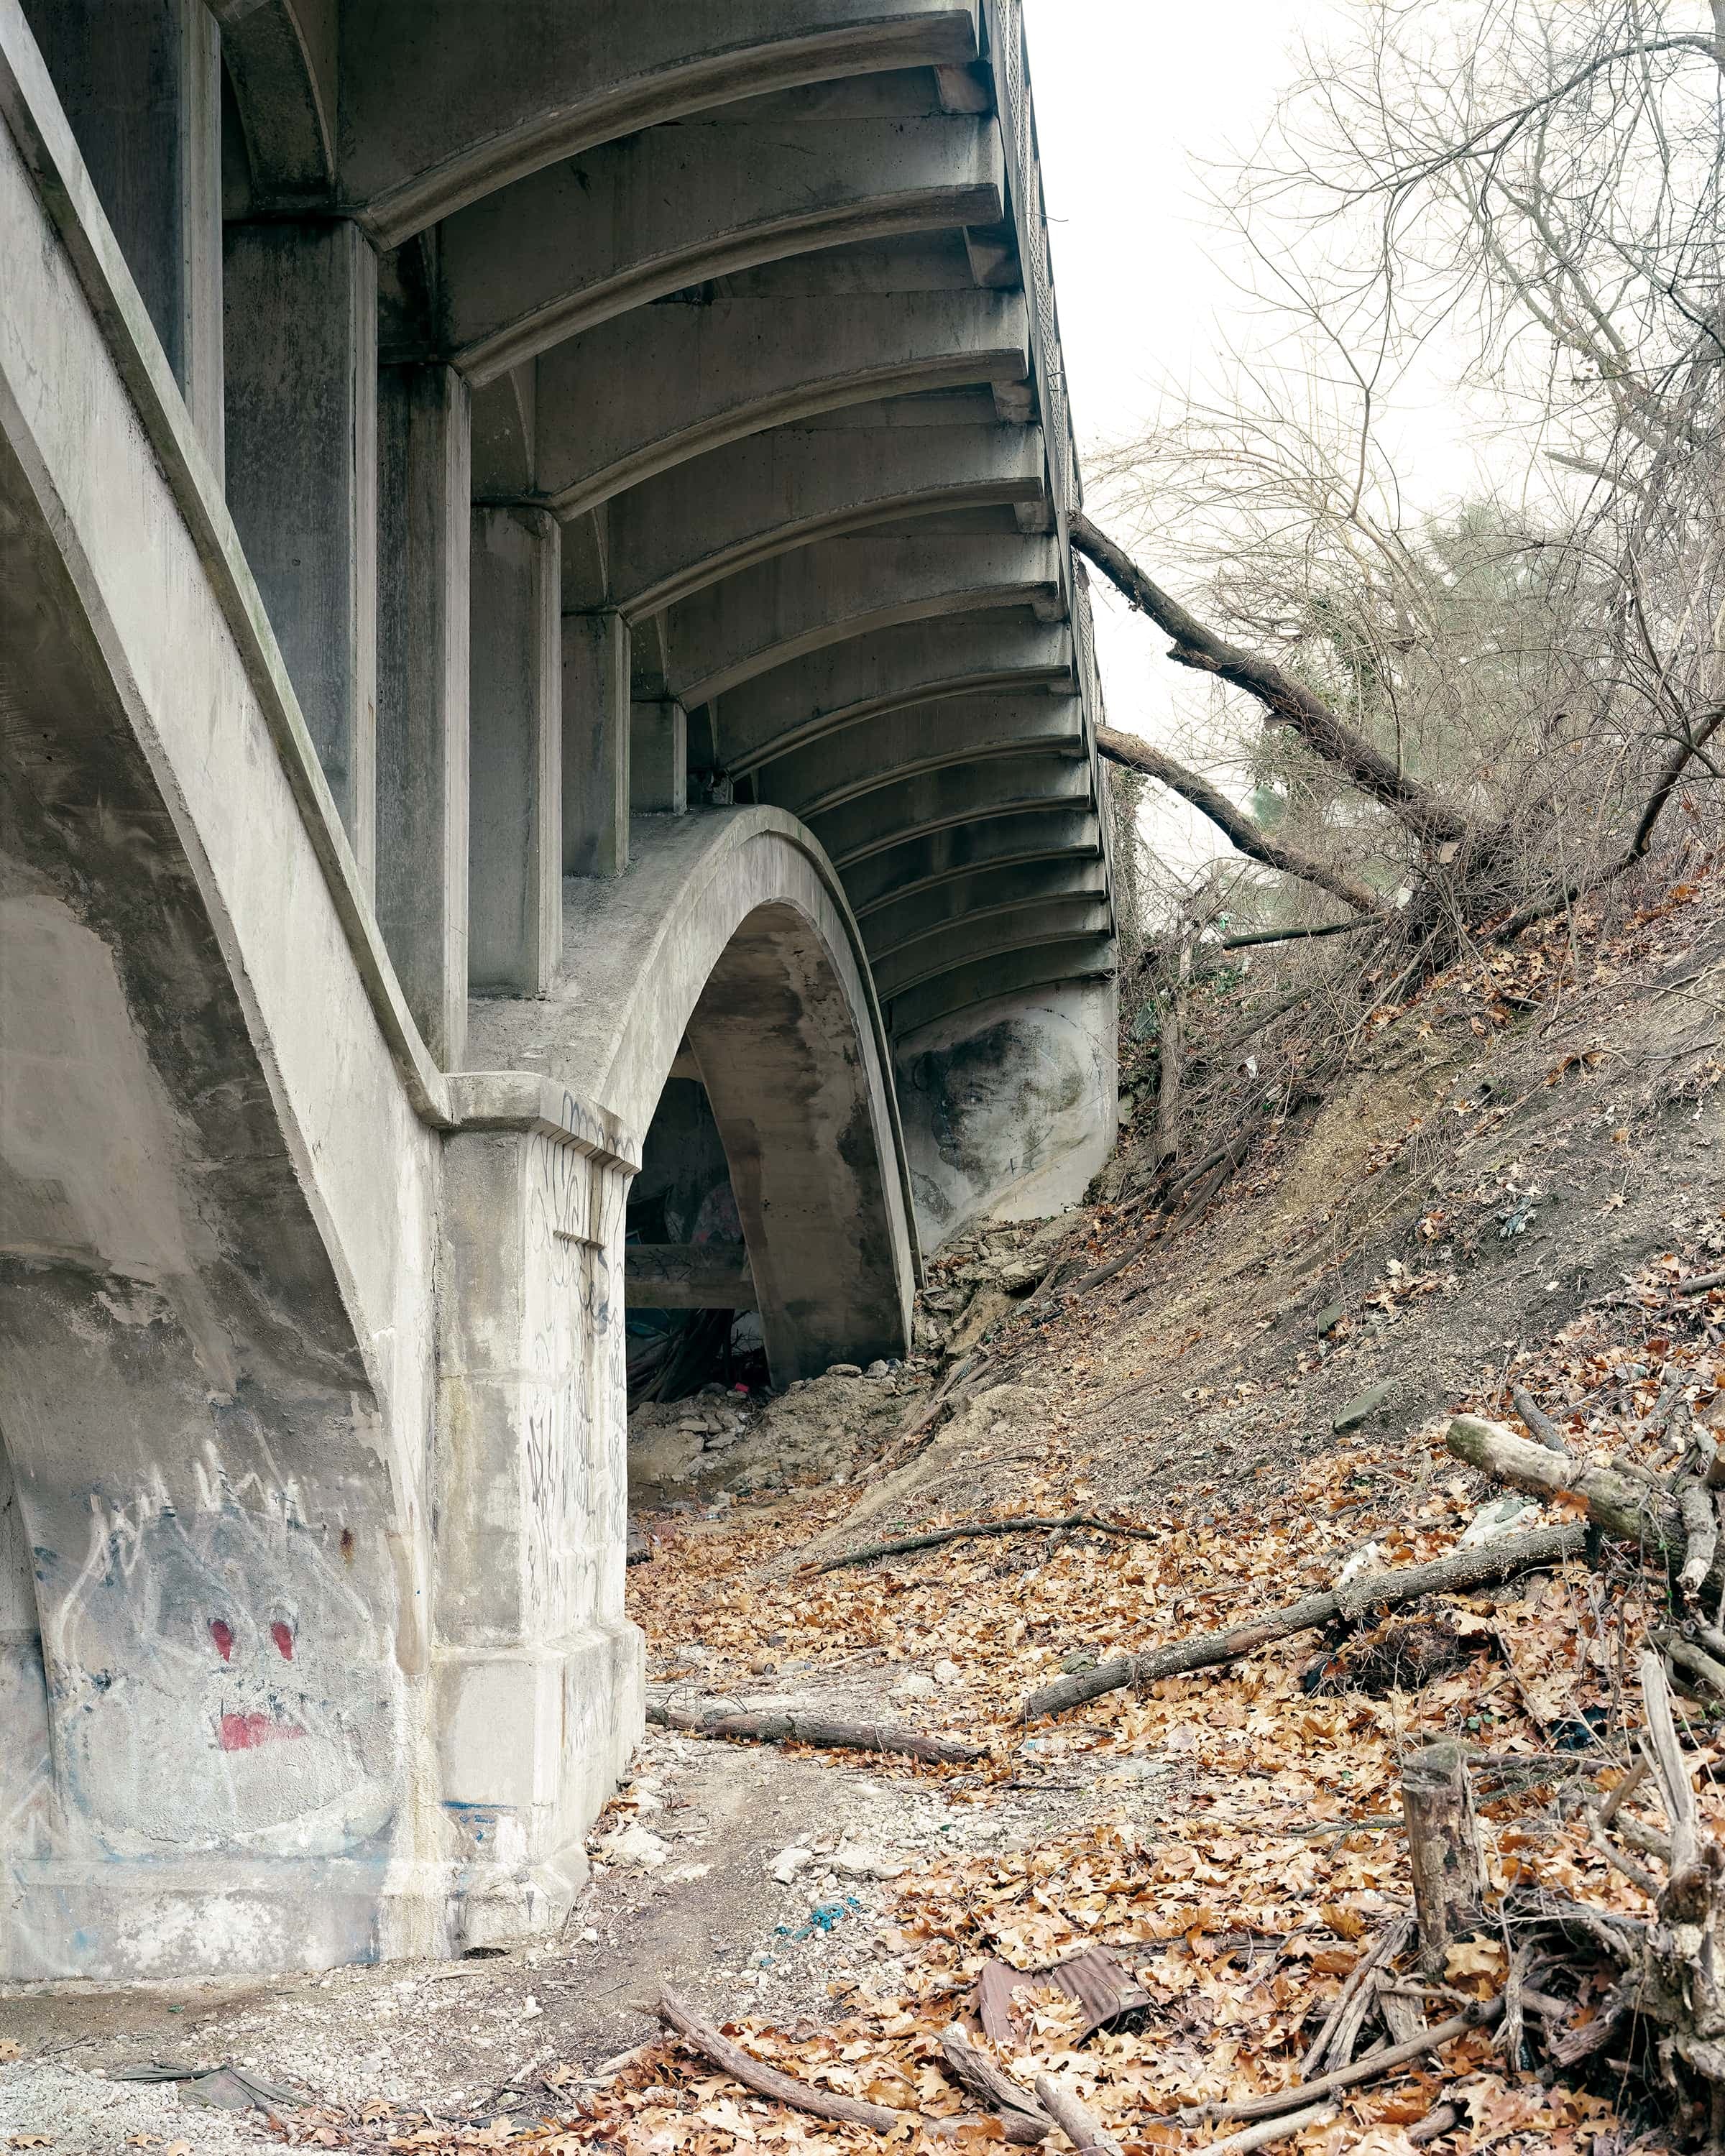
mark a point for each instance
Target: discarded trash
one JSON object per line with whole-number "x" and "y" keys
{"x": 824, "y": 1917}
{"x": 1103, "y": 1988}
{"x": 1496, "y": 1519}
{"x": 225, "y": 2087}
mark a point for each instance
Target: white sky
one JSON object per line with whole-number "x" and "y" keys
{"x": 1133, "y": 99}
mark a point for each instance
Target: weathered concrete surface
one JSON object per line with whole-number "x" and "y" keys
{"x": 580, "y": 241}
{"x": 424, "y": 492}
{"x": 1005, "y": 1105}
{"x": 917, "y": 663}
{"x": 731, "y": 930}
{"x": 431, "y": 118}
{"x": 516, "y": 749}
{"x": 228, "y": 1683}
{"x": 221, "y": 1178}
{"x": 641, "y": 393}
{"x": 311, "y": 1358}
{"x": 301, "y": 335}
{"x": 836, "y": 590}
{"x": 715, "y": 514}
{"x": 963, "y": 730}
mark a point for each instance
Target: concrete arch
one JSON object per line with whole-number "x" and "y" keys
{"x": 632, "y": 221}
{"x": 838, "y": 590}
{"x": 916, "y": 663}
{"x": 962, "y": 730}
{"x": 731, "y": 931}
{"x": 912, "y": 808}
{"x": 714, "y": 516}
{"x": 649, "y": 389}
{"x": 927, "y": 862}
{"x": 437, "y": 110}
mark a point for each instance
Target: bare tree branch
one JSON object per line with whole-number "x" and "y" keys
{"x": 1248, "y": 837}
{"x": 1286, "y": 701}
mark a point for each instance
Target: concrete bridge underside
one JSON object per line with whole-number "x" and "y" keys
{"x": 533, "y": 574}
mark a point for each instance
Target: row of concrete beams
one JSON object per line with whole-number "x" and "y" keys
{"x": 669, "y": 493}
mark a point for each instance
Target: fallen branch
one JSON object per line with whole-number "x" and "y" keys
{"x": 1085, "y": 2134}
{"x": 998, "y": 2091}
{"x": 1488, "y": 1564}
{"x": 1701, "y": 1529}
{"x": 813, "y": 1729}
{"x": 1272, "y": 2129}
{"x": 1350, "y": 2007}
{"x": 1243, "y": 832}
{"x": 1020, "y": 1524}
{"x": 1630, "y": 1511}
{"x": 1540, "y": 1426}
{"x": 1287, "y": 701}
{"x": 804, "y": 2096}
{"x": 1480, "y": 2015}
{"x": 767, "y": 2081}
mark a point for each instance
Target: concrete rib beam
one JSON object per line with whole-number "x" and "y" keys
{"x": 1016, "y": 928}
{"x": 920, "y": 663}
{"x": 630, "y": 222}
{"x": 932, "y": 858}
{"x": 650, "y": 388}
{"x": 281, "y": 58}
{"x": 938, "y": 800}
{"x": 437, "y": 108}
{"x": 961, "y": 729}
{"x": 737, "y": 507}
{"x": 981, "y": 980}
{"x": 840, "y": 589}
{"x": 980, "y": 894}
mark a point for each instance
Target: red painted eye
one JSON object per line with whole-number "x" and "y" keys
{"x": 222, "y": 1632}
{"x": 283, "y": 1635}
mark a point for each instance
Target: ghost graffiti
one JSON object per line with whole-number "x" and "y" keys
{"x": 219, "y": 1680}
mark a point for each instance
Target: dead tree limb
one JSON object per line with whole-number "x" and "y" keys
{"x": 1085, "y": 2134}
{"x": 1701, "y": 1529}
{"x": 1540, "y": 1426}
{"x": 1270, "y": 2130}
{"x": 1444, "y": 1851}
{"x": 979, "y": 2074}
{"x": 1291, "y": 935}
{"x": 1171, "y": 1057}
{"x": 1242, "y": 832}
{"x": 1287, "y": 701}
{"x": 813, "y": 1729}
{"x": 1020, "y": 1524}
{"x": 1480, "y": 2015}
{"x": 1627, "y": 1509}
{"x": 1486, "y": 1564}
{"x": 1360, "y": 1980}
{"x": 767, "y": 2081}
{"x": 804, "y": 2096}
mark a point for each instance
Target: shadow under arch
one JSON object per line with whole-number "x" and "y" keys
{"x": 730, "y": 932}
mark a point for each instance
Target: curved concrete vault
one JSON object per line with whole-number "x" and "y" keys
{"x": 535, "y": 563}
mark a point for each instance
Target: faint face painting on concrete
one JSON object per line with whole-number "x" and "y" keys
{"x": 217, "y": 1665}
{"x": 1008, "y": 1109}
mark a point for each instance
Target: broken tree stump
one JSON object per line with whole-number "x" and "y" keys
{"x": 1443, "y": 1849}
